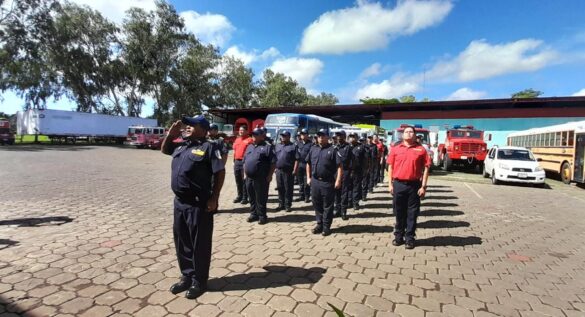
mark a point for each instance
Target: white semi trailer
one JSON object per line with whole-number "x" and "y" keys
{"x": 70, "y": 125}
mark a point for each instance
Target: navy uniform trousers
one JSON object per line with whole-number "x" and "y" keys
{"x": 356, "y": 186}
{"x": 343, "y": 196}
{"x": 365, "y": 183}
{"x": 285, "y": 185}
{"x": 304, "y": 189}
{"x": 193, "y": 232}
{"x": 323, "y": 196}
{"x": 406, "y": 206}
{"x": 374, "y": 174}
{"x": 257, "y": 195}
{"x": 240, "y": 182}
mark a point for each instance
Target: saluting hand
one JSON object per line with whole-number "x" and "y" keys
{"x": 175, "y": 130}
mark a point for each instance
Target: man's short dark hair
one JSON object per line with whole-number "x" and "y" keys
{"x": 411, "y": 127}
{"x": 244, "y": 126}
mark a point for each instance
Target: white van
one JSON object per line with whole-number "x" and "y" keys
{"x": 513, "y": 164}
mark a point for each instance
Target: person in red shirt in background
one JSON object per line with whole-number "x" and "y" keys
{"x": 408, "y": 170}
{"x": 240, "y": 145}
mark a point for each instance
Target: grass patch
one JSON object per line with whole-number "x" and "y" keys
{"x": 23, "y": 139}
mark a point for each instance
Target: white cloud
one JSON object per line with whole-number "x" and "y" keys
{"x": 579, "y": 93}
{"x": 303, "y": 70}
{"x": 210, "y": 28}
{"x": 370, "y": 26}
{"x": 253, "y": 56}
{"x": 467, "y": 94}
{"x": 372, "y": 70}
{"x": 481, "y": 60}
{"x": 390, "y": 88}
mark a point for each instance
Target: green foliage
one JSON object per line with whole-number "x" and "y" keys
{"x": 407, "y": 99}
{"x": 336, "y": 310}
{"x": 378, "y": 101}
{"x": 527, "y": 93}
{"x": 51, "y": 48}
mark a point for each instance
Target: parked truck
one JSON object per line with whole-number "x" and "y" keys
{"x": 71, "y": 126}
{"x": 464, "y": 146}
{"x": 6, "y": 136}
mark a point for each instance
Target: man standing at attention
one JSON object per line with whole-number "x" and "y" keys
{"x": 197, "y": 175}
{"x": 303, "y": 148}
{"x": 408, "y": 173}
{"x": 286, "y": 168}
{"x": 259, "y": 165}
{"x": 324, "y": 174}
{"x": 240, "y": 145}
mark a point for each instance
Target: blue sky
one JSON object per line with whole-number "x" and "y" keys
{"x": 440, "y": 49}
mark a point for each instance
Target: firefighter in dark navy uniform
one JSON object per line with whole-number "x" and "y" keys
{"x": 343, "y": 195}
{"x": 214, "y": 137}
{"x": 259, "y": 165}
{"x": 374, "y": 164}
{"x": 197, "y": 178}
{"x": 366, "y": 169}
{"x": 324, "y": 174}
{"x": 303, "y": 148}
{"x": 286, "y": 168}
{"x": 357, "y": 167}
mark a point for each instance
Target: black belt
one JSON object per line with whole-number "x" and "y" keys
{"x": 328, "y": 180}
{"x": 407, "y": 181}
{"x": 239, "y": 159}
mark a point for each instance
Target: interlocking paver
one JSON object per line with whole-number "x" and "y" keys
{"x": 117, "y": 257}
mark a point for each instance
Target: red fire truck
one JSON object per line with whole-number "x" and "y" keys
{"x": 142, "y": 137}
{"x": 463, "y": 145}
{"x": 6, "y": 136}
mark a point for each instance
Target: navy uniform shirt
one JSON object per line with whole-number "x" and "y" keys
{"x": 286, "y": 156}
{"x": 373, "y": 153}
{"x": 258, "y": 159}
{"x": 324, "y": 162}
{"x": 220, "y": 145}
{"x": 303, "y": 150}
{"x": 344, "y": 152}
{"x": 367, "y": 155}
{"x": 358, "y": 157}
{"x": 193, "y": 166}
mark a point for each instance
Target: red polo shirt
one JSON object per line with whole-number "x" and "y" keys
{"x": 408, "y": 162}
{"x": 240, "y": 145}
{"x": 380, "y": 147}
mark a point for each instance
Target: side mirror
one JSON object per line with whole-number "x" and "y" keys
{"x": 489, "y": 137}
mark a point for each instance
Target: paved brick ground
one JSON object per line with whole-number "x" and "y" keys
{"x": 86, "y": 231}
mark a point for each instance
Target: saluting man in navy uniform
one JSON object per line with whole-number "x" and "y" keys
{"x": 197, "y": 177}
{"x": 286, "y": 168}
{"x": 324, "y": 174}
{"x": 343, "y": 195}
{"x": 259, "y": 165}
{"x": 303, "y": 148}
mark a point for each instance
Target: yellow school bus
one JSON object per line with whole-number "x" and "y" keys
{"x": 559, "y": 148}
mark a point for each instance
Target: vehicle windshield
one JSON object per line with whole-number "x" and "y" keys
{"x": 4, "y": 130}
{"x": 271, "y": 132}
{"x": 466, "y": 134}
{"x": 134, "y": 131}
{"x": 517, "y": 155}
{"x": 280, "y": 119}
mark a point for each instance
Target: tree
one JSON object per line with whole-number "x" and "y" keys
{"x": 81, "y": 52}
{"x": 324, "y": 99}
{"x": 407, "y": 99}
{"x": 26, "y": 30}
{"x": 378, "y": 101}
{"x": 277, "y": 90}
{"x": 527, "y": 93}
{"x": 236, "y": 84}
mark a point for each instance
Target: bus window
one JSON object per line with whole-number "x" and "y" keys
{"x": 564, "y": 138}
{"x": 571, "y": 137}
{"x": 558, "y": 138}
{"x": 303, "y": 122}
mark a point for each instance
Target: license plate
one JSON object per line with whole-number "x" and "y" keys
{"x": 522, "y": 175}
{"x": 463, "y": 157}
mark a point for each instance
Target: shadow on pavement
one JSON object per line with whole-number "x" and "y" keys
{"x": 440, "y": 212}
{"x": 294, "y": 218}
{"x": 369, "y": 214}
{"x": 437, "y": 204}
{"x": 437, "y": 224}
{"x": 444, "y": 241}
{"x": 275, "y": 276}
{"x": 380, "y": 199}
{"x": 361, "y": 229}
{"x": 440, "y": 197}
{"x": 438, "y": 186}
{"x": 46, "y": 147}
{"x": 438, "y": 190}
{"x": 366, "y": 205}
{"x": 5, "y": 243}
{"x": 36, "y": 222}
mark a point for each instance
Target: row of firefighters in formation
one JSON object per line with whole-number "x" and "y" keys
{"x": 255, "y": 160}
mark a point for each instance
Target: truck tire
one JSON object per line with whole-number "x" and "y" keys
{"x": 485, "y": 174}
{"x": 566, "y": 173}
{"x": 447, "y": 163}
{"x": 495, "y": 181}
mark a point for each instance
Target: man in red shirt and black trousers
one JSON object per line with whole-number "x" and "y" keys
{"x": 239, "y": 146}
{"x": 408, "y": 170}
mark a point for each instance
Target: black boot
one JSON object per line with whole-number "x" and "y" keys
{"x": 183, "y": 285}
